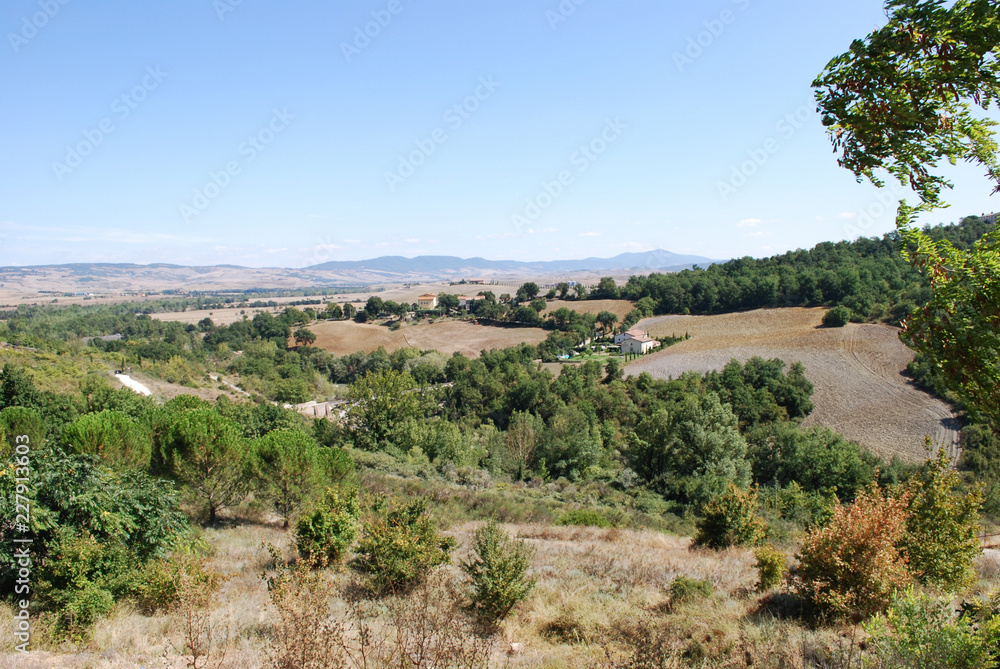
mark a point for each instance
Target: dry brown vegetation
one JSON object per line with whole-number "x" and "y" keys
{"x": 343, "y": 337}
{"x": 858, "y": 371}
{"x": 618, "y": 307}
{"x": 601, "y": 595}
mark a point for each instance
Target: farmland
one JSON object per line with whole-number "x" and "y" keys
{"x": 343, "y": 337}
{"x": 861, "y": 390}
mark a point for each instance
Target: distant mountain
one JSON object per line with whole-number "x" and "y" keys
{"x": 659, "y": 259}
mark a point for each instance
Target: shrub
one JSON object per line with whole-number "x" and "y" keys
{"x": 584, "y": 518}
{"x": 80, "y": 579}
{"x": 327, "y": 533}
{"x": 306, "y": 633}
{"x": 498, "y": 572}
{"x": 942, "y": 527}
{"x": 684, "y": 589}
{"x": 731, "y": 520}
{"x": 837, "y": 317}
{"x": 918, "y": 631}
{"x": 400, "y": 546}
{"x": 158, "y": 581}
{"x": 854, "y": 565}
{"x": 771, "y": 567}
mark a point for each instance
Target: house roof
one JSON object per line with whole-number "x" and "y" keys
{"x": 428, "y": 296}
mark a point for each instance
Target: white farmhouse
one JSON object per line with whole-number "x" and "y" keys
{"x": 640, "y": 345}
{"x": 428, "y": 301}
{"x": 634, "y": 332}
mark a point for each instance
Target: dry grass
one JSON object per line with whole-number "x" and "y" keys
{"x": 618, "y": 307}
{"x": 601, "y": 594}
{"x": 861, "y": 391}
{"x": 343, "y": 337}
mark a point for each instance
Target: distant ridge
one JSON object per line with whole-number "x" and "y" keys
{"x": 648, "y": 260}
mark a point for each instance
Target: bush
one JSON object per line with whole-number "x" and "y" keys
{"x": 498, "y": 572}
{"x": 942, "y": 528}
{"x": 81, "y": 578}
{"x": 159, "y": 582}
{"x": 837, "y": 317}
{"x": 400, "y": 546}
{"x": 584, "y": 518}
{"x": 683, "y": 590}
{"x": 854, "y": 565}
{"x": 327, "y": 533}
{"x": 771, "y": 567}
{"x": 731, "y": 520}
{"x": 920, "y": 632}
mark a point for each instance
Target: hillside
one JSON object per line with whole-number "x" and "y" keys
{"x": 858, "y": 371}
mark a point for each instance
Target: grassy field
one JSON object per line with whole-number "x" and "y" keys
{"x": 597, "y": 592}
{"x": 861, "y": 390}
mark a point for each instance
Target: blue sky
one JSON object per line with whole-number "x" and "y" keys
{"x": 281, "y": 134}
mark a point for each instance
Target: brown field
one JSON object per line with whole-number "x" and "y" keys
{"x": 861, "y": 391}
{"x": 618, "y": 307}
{"x": 343, "y": 337}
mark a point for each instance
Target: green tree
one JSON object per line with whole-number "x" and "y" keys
{"x": 691, "y": 452}
{"x": 942, "y": 529}
{"x": 527, "y": 292}
{"x": 901, "y": 101}
{"x": 333, "y": 312}
{"x": 17, "y": 388}
{"x": 374, "y": 306}
{"x": 208, "y": 455}
{"x": 563, "y": 288}
{"x": 498, "y": 571}
{"x": 349, "y": 311}
{"x": 379, "y": 403}
{"x": 447, "y": 302}
{"x": 606, "y": 290}
{"x": 288, "y": 471}
{"x": 607, "y": 321}
{"x": 116, "y": 438}
{"x": 304, "y": 337}
{"x": 539, "y": 304}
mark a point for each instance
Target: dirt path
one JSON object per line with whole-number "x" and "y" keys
{"x": 861, "y": 391}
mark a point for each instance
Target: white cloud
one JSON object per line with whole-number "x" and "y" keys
{"x": 749, "y": 223}
{"x": 589, "y": 234}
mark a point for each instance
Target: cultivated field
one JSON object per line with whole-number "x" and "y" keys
{"x": 343, "y": 337}
{"x": 861, "y": 391}
{"x": 618, "y": 307}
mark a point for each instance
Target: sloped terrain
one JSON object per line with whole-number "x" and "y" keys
{"x": 858, "y": 371}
